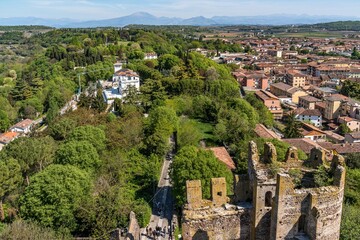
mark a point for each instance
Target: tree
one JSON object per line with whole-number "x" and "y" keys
{"x": 353, "y": 160}
{"x": 60, "y": 130}
{"x": 167, "y": 61}
{"x": 33, "y": 154}
{"x": 54, "y": 196}
{"x": 10, "y": 178}
{"x": 292, "y": 129}
{"x": 343, "y": 129}
{"x": 98, "y": 102}
{"x": 211, "y": 74}
{"x": 162, "y": 122}
{"x": 349, "y": 222}
{"x": 192, "y": 163}
{"x": 153, "y": 94}
{"x": 93, "y": 135}
{"x": 78, "y": 153}
{"x": 21, "y": 229}
{"x": 4, "y": 121}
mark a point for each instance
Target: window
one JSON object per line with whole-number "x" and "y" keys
{"x": 268, "y": 199}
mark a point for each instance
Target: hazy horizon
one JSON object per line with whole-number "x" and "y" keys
{"x": 106, "y": 9}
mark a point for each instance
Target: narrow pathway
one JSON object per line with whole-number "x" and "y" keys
{"x": 162, "y": 213}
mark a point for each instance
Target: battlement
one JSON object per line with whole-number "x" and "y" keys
{"x": 194, "y": 193}
{"x": 281, "y": 195}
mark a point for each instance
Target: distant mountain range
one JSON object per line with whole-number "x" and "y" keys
{"x": 148, "y": 19}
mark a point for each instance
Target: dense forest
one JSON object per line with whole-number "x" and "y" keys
{"x": 85, "y": 172}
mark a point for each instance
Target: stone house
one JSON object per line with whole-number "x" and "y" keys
{"x": 269, "y": 204}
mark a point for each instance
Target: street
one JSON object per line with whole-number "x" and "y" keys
{"x": 162, "y": 212}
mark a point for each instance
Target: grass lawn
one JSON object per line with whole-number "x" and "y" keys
{"x": 207, "y": 131}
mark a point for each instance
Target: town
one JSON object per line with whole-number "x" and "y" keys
{"x": 180, "y": 132}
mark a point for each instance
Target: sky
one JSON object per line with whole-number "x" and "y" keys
{"x": 104, "y": 9}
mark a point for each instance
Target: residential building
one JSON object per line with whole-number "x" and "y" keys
{"x": 122, "y": 81}
{"x": 304, "y": 144}
{"x": 351, "y": 123}
{"x": 308, "y": 102}
{"x": 313, "y": 133}
{"x": 353, "y": 137}
{"x": 23, "y": 126}
{"x": 282, "y": 89}
{"x": 341, "y": 148}
{"x": 322, "y": 92}
{"x": 334, "y": 137}
{"x": 263, "y": 132}
{"x": 271, "y": 102}
{"x": 295, "y": 78}
{"x": 332, "y": 107}
{"x": 309, "y": 115}
{"x": 7, "y": 137}
{"x": 150, "y": 56}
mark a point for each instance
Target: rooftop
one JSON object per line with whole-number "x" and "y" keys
{"x": 304, "y": 144}
{"x": 309, "y": 98}
{"x": 222, "y": 154}
{"x": 264, "y": 132}
{"x": 23, "y": 124}
{"x": 8, "y": 137}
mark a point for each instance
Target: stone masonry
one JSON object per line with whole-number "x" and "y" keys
{"x": 277, "y": 199}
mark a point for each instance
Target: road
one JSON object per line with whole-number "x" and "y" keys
{"x": 162, "y": 213}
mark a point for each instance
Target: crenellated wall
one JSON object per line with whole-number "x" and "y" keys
{"x": 270, "y": 202}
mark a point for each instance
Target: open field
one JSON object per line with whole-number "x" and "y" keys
{"x": 310, "y": 35}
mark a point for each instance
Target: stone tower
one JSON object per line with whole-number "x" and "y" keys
{"x": 276, "y": 199}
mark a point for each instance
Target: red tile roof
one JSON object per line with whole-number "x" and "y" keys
{"x": 8, "y": 137}
{"x": 264, "y": 132}
{"x": 222, "y": 154}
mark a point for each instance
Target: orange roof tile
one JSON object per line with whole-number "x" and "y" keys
{"x": 222, "y": 154}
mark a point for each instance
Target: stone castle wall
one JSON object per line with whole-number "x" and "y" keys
{"x": 268, "y": 205}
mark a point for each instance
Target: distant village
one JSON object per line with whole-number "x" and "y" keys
{"x": 302, "y": 76}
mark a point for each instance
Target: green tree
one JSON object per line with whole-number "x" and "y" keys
{"x": 353, "y": 160}
{"x": 98, "y": 102}
{"x": 349, "y": 222}
{"x": 343, "y": 129}
{"x": 192, "y": 163}
{"x": 4, "y": 121}
{"x": 292, "y": 129}
{"x": 33, "y": 154}
{"x": 10, "y": 178}
{"x": 167, "y": 61}
{"x": 54, "y": 196}
{"x": 78, "y": 153}
{"x": 93, "y": 135}
{"x": 162, "y": 122}
{"x": 21, "y": 229}
{"x": 153, "y": 94}
{"x": 61, "y": 129}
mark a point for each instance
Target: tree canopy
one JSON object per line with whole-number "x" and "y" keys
{"x": 192, "y": 163}
{"x": 54, "y": 196}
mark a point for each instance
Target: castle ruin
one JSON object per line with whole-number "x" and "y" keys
{"x": 276, "y": 199}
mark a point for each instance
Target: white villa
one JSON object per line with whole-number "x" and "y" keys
{"x": 121, "y": 81}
